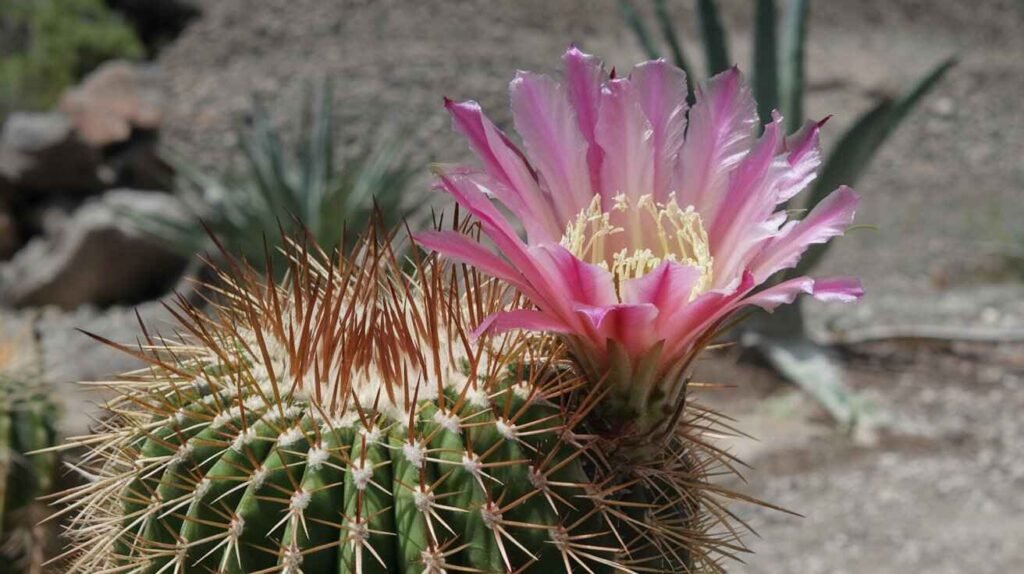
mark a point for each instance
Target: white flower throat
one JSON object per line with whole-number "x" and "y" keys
{"x": 631, "y": 239}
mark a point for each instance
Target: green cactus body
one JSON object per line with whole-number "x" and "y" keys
{"x": 345, "y": 421}
{"x": 28, "y": 422}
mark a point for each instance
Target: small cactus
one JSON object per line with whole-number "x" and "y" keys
{"x": 28, "y": 422}
{"x": 347, "y": 421}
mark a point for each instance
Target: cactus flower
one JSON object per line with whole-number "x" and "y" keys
{"x": 647, "y": 223}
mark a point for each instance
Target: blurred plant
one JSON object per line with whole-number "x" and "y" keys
{"x": 47, "y": 45}
{"x": 778, "y": 84}
{"x": 28, "y": 422}
{"x": 279, "y": 190}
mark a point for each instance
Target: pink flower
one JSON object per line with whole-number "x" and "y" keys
{"x": 647, "y": 224}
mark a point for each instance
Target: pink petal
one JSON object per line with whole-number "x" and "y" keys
{"x": 520, "y": 319}
{"x": 689, "y": 323}
{"x": 519, "y": 190}
{"x": 828, "y": 219}
{"x": 661, "y": 90}
{"x": 549, "y": 130}
{"x": 584, "y": 283}
{"x": 624, "y": 134}
{"x": 457, "y": 245}
{"x": 668, "y": 286}
{"x": 782, "y": 294}
{"x": 838, "y": 289}
{"x": 722, "y": 127}
{"x": 630, "y": 325}
{"x": 583, "y": 76}
{"x": 804, "y": 159}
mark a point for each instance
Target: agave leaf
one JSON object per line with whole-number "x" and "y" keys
{"x": 765, "y": 73}
{"x": 668, "y": 30}
{"x": 716, "y": 50}
{"x": 858, "y": 146}
{"x": 791, "y": 62}
{"x": 639, "y": 29}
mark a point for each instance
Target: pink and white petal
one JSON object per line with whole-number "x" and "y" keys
{"x": 546, "y": 291}
{"x": 668, "y": 286}
{"x": 583, "y": 76}
{"x": 624, "y": 134}
{"x": 741, "y": 221}
{"x": 828, "y": 219}
{"x": 661, "y": 90}
{"x": 722, "y": 126}
{"x": 782, "y": 294}
{"x": 520, "y": 191}
{"x": 632, "y": 326}
{"x": 804, "y": 158}
{"x": 526, "y": 319}
{"x": 683, "y": 328}
{"x": 838, "y": 289}
{"x": 550, "y": 133}
{"x": 584, "y": 283}
{"x": 457, "y": 245}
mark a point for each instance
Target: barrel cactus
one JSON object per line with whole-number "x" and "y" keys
{"x": 347, "y": 420}
{"x": 28, "y": 423}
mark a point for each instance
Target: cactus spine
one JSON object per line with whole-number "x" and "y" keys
{"x": 347, "y": 421}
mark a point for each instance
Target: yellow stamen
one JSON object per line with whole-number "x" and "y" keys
{"x": 678, "y": 235}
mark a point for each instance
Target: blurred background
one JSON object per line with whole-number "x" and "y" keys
{"x": 125, "y": 122}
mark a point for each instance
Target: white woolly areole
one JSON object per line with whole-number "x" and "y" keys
{"x": 372, "y": 434}
{"x": 201, "y": 489}
{"x": 478, "y": 398}
{"x": 537, "y": 479}
{"x": 243, "y": 439}
{"x": 236, "y": 527}
{"x": 521, "y": 390}
{"x": 362, "y": 473}
{"x": 449, "y": 421}
{"x": 179, "y": 416}
{"x": 259, "y": 476}
{"x": 491, "y": 515}
{"x": 184, "y": 453}
{"x": 300, "y": 500}
{"x": 316, "y": 457}
{"x": 472, "y": 464}
{"x": 254, "y": 403}
{"x": 423, "y": 499}
{"x": 225, "y": 417}
{"x": 507, "y": 430}
{"x": 358, "y": 531}
{"x": 433, "y": 562}
{"x": 414, "y": 453}
{"x": 294, "y": 412}
{"x": 290, "y": 436}
{"x": 291, "y": 561}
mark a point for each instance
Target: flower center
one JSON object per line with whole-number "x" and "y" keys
{"x": 632, "y": 238}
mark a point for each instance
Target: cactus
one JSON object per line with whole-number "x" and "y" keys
{"x": 28, "y": 422}
{"x": 347, "y": 421}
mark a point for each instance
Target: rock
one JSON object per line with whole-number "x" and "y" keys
{"x": 114, "y": 100}
{"x": 40, "y": 151}
{"x": 98, "y": 256}
{"x": 10, "y": 235}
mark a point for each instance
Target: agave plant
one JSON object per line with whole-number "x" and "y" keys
{"x": 287, "y": 189}
{"x": 28, "y": 422}
{"x": 345, "y": 421}
{"x": 778, "y": 84}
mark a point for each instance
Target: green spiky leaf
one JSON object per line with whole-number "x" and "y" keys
{"x": 791, "y": 62}
{"x": 765, "y": 73}
{"x": 716, "y": 49}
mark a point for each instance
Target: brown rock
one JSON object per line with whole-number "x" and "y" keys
{"x": 41, "y": 151}
{"x": 112, "y": 101}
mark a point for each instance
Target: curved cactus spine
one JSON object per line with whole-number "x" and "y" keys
{"x": 347, "y": 421}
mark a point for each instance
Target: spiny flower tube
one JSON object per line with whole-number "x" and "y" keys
{"x": 648, "y": 224}
{"x": 345, "y": 422}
